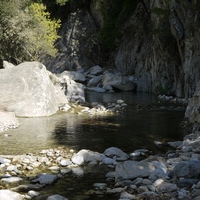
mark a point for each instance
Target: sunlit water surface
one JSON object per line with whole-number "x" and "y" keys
{"x": 129, "y": 130}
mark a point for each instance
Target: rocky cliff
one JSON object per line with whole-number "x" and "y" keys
{"x": 158, "y": 43}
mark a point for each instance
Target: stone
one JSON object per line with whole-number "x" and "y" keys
{"x": 166, "y": 187}
{"x": 75, "y": 91}
{"x": 11, "y": 179}
{"x": 8, "y": 195}
{"x": 95, "y": 70}
{"x": 187, "y": 169}
{"x": 45, "y": 179}
{"x": 86, "y": 156}
{"x": 119, "y": 83}
{"x": 157, "y": 174}
{"x": 8, "y": 120}
{"x": 74, "y": 75}
{"x": 4, "y": 160}
{"x": 116, "y": 153}
{"x": 126, "y": 195}
{"x": 7, "y": 65}
{"x": 133, "y": 169}
{"x": 94, "y": 82}
{"x": 22, "y": 94}
{"x": 109, "y": 161}
{"x": 56, "y": 197}
{"x": 65, "y": 162}
{"x": 100, "y": 186}
{"x": 33, "y": 193}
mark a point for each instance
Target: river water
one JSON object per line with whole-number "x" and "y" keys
{"x": 130, "y": 130}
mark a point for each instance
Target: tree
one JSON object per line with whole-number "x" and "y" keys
{"x": 27, "y": 31}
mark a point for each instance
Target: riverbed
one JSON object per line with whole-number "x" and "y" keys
{"x": 128, "y": 130}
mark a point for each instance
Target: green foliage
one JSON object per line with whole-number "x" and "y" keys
{"x": 27, "y": 32}
{"x": 114, "y": 13}
{"x": 43, "y": 34}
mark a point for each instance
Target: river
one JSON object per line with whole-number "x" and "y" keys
{"x": 128, "y": 130}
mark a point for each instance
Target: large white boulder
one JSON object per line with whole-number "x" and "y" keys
{"x": 29, "y": 90}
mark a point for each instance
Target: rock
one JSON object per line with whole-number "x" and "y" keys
{"x": 11, "y": 179}
{"x": 45, "y": 179}
{"x": 56, "y": 197}
{"x": 86, "y": 156}
{"x": 187, "y": 169}
{"x": 4, "y": 160}
{"x": 78, "y": 44}
{"x": 157, "y": 174}
{"x": 119, "y": 83}
{"x": 33, "y": 193}
{"x": 109, "y": 161}
{"x": 30, "y": 90}
{"x": 126, "y": 195}
{"x": 65, "y": 162}
{"x": 116, "y": 154}
{"x": 166, "y": 187}
{"x": 8, "y": 120}
{"x": 75, "y": 91}
{"x": 94, "y": 82}
{"x": 7, "y": 65}
{"x": 133, "y": 169}
{"x": 100, "y": 186}
{"x": 95, "y": 70}
{"x": 175, "y": 144}
{"x": 74, "y": 75}
{"x": 10, "y": 195}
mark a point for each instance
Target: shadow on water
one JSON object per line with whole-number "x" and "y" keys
{"x": 128, "y": 130}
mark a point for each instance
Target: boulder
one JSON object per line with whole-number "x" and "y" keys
{"x": 45, "y": 179}
{"x": 187, "y": 169}
{"x": 132, "y": 170}
{"x": 73, "y": 90}
{"x": 95, "y": 70}
{"x": 116, "y": 153}
{"x": 119, "y": 83}
{"x": 30, "y": 90}
{"x": 94, "y": 82}
{"x": 86, "y": 156}
{"x": 56, "y": 197}
{"x": 8, "y": 195}
{"x": 74, "y": 75}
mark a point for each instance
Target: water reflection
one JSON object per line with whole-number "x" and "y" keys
{"x": 129, "y": 130}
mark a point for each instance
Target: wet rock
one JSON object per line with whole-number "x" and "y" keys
{"x": 45, "y": 179}
{"x": 86, "y": 156}
{"x": 56, "y": 197}
{"x": 133, "y": 169}
{"x": 95, "y": 70}
{"x": 11, "y": 180}
{"x": 187, "y": 169}
{"x": 157, "y": 174}
{"x": 116, "y": 153}
{"x": 166, "y": 187}
{"x": 4, "y": 161}
{"x": 33, "y": 193}
{"x": 65, "y": 162}
{"x": 8, "y": 195}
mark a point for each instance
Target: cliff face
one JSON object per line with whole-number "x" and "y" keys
{"x": 159, "y": 44}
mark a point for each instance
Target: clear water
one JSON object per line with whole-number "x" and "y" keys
{"x": 129, "y": 130}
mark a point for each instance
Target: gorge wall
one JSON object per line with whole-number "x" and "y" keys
{"x": 158, "y": 43}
